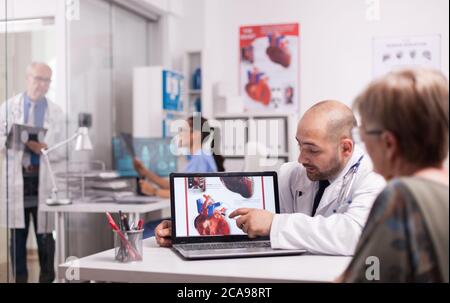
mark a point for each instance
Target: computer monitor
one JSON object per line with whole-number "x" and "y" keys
{"x": 155, "y": 154}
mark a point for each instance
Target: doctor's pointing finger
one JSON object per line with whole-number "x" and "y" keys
{"x": 254, "y": 222}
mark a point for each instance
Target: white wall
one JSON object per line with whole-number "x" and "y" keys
{"x": 336, "y": 39}
{"x": 165, "y": 6}
{"x": 24, "y": 9}
{"x": 192, "y": 24}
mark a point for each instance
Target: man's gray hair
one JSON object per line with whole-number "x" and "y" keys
{"x": 35, "y": 64}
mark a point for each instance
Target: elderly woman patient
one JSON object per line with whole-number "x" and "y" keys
{"x": 404, "y": 126}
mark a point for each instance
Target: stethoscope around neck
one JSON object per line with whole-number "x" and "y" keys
{"x": 344, "y": 197}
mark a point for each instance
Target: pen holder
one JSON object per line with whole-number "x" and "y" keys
{"x": 128, "y": 245}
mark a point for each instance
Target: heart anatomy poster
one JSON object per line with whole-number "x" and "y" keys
{"x": 269, "y": 67}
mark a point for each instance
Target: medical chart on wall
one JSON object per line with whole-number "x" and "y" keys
{"x": 172, "y": 91}
{"x": 269, "y": 67}
{"x": 400, "y": 52}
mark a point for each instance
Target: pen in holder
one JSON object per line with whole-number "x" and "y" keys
{"x": 128, "y": 245}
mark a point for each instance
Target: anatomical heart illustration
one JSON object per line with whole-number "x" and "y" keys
{"x": 257, "y": 87}
{"x": 197, "y": 183}
{"x": 278, "y": 50}
{"x": 211, "y": 218}
{"x": 240, "y": 185}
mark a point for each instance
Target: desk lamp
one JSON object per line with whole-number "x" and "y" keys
{"x": 82, "y": 143}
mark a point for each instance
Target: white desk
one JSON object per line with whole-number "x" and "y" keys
{"x": 164, "y": 265}
{"x": 135, "y": 210}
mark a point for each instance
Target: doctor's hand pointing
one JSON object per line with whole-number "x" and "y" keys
{"x": 254, "y": 222}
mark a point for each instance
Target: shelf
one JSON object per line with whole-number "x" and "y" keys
{"x": 175, "y": 113}
{"x": 192, "y": 62}
{"x": 280, "y": 156}
{"x": 251, "y": 115}
{"x": 195, "y": 92}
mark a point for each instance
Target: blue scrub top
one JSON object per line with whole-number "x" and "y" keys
{"x": 201, "y": 162}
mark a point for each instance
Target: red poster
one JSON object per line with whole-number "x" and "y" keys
{"x": 269, "y": 67}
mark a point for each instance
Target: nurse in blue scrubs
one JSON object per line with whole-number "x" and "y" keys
{"x": 199, "y": 161}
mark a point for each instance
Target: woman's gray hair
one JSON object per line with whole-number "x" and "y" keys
{"x": 413, "y": 105}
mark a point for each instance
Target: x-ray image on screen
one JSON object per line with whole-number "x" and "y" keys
{"x": 154, "y": 153}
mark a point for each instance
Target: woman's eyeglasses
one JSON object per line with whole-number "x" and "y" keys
{"x": 358, "y": 131}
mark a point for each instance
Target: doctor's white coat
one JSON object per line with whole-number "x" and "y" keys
{"x": 336, "y": 227}
{"x": 11, "y": 178}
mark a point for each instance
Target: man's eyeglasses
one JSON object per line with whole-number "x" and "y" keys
{"x": 357, "y": 131}
{"x": 41, "y": 79}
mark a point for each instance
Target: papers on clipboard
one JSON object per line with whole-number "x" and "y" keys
{"x": 128, "y": 140}
{"x": 21, "y": 134}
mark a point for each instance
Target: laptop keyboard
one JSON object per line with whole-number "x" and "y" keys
{"x": 227, "y": 245}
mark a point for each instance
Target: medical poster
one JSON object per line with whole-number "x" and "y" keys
{"x": 203, "y": 204}
{"x": 395, "y": 53}
{"x": 172, "y": 91}
{"x": 269, "y": 67}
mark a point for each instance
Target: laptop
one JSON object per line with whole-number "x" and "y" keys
{"x": 201, "y": 204}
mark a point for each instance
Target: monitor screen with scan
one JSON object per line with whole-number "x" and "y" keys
{"x": 154, "y": 153}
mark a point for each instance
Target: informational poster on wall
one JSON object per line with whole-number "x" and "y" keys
{"x": 410, "y": 51}
{"x": 172, "y": 91}
{"x": 269, "y": 67}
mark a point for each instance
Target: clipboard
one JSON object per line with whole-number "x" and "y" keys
{"x": 21, "y": 134}
{"x": 128, "y": 141}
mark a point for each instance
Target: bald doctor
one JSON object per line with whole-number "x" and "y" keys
{"x": 326, "y": 197}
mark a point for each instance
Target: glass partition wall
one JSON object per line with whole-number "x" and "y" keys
{"x": 4, "y": 255}
{"x": 76, "y": 60}
{"x": 23, "y": 40}
{"x": 104, "y": 45}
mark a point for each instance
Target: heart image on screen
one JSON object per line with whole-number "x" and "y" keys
{"x": 211, "y": 219}
{"x": 240, "y": 185}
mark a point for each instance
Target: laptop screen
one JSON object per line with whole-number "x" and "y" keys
{"x": 201, "y": 203}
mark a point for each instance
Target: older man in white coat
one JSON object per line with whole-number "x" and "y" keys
{"x": 326, "y": 199}
{"x": 25, "y": 183}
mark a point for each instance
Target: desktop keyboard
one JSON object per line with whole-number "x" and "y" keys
{"x": 226, "y": 245}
